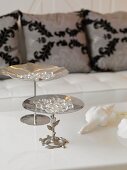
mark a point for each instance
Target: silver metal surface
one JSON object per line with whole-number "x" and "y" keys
{"x": 29, "y": 103}
{"x": 35, "y": 87}
{"x": 52, "y": 142}
{"x": 35, "y": 119}
{"x": 35, "y": 72}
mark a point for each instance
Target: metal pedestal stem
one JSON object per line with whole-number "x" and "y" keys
{"x": 35, "y": 115}
{"x": 52, "y": 141}
{"x": 35, "y": 92}
{"x": 35, "y": 119}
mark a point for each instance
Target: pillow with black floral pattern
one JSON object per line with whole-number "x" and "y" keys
{"x": 9, "y": 52}
{"x": 107, "y": 37}
{"x": 56, "y": 39}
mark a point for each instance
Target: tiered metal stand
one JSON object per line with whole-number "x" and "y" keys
{"x": 46, "y": 104}
{"x": 35, "y": 73}
{"x": 53, "y": 104}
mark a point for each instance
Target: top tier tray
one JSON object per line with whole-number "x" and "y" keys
{"x": 35, "y": 72}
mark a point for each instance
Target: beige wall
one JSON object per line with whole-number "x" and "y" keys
{"x": 46, "y": 6}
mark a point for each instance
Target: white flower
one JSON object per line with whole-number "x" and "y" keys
{"x": 98, "y": 116}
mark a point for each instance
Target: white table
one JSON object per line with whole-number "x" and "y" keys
{"x": 20, "y": 148}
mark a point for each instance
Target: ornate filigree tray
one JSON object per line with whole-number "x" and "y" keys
{"x": 53, "y": 104}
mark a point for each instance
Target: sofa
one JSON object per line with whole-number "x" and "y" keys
{"x": 92, "y": 46}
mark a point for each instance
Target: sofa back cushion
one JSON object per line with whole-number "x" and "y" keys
{"x": 9, "y": 50}
{"x": 107, "y": 36}
{"x": 56, "y": 39}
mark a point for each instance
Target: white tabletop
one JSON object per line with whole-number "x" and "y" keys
{"x": 20, "y": 148}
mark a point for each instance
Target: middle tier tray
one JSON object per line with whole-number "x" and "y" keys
{"x": 32, "y": 103}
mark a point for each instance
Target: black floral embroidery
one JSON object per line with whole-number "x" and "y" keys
{"x": 98, "y": 23}
{"x": 85, "y": 21}
{"x": 7, "y": 33}
{"x": 46, "y": 35}
{"x": 84, "y": 49}
{"x": 111, "y": 35}
{"x": 14, "y": 15}
{"x": 95, "y": 66}
{"x": 124, "y": 39}
{"x": 14, "y": 27}
{"x": 62, "y": 43}
{"x": 83, "y": 13}
{"x": 124, "y": 30}
{"x": 45, "y": 51}
{"x": 33, "y": 61}
{"x": 41, "y": 40}
{"x": 33, "y": 26}
{"x": 9, "y": 49}
{"x": 79, "y": 27}
{"x": 60, "y": 33}
{"x": 36, "y": 26}
{"x": 107, "y": 36}
{"x": 105, "y": 25}
{"x": 25, "y": 22}
{"x": 4, "y": 35}
{"x": 9, "y": 59}
{"x": 72, "y": 32}
{"x": 110, "y": 48}
{"x": 74, "y": 43}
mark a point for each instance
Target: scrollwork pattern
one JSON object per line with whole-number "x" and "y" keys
{"x": 45, "y": 51}
{"x": 59, "y": 36}
{"x": 9, "y": 59}
{"x": 7, "y": 33}
{"x": 111, "y": 35}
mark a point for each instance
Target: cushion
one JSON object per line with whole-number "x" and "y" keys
{"x": 9, "y": 52}
{"x": 56, "y": 39}
{"x": 107, "y": 36}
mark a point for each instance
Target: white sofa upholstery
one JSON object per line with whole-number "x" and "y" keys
{"x": 71, "y": 83}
